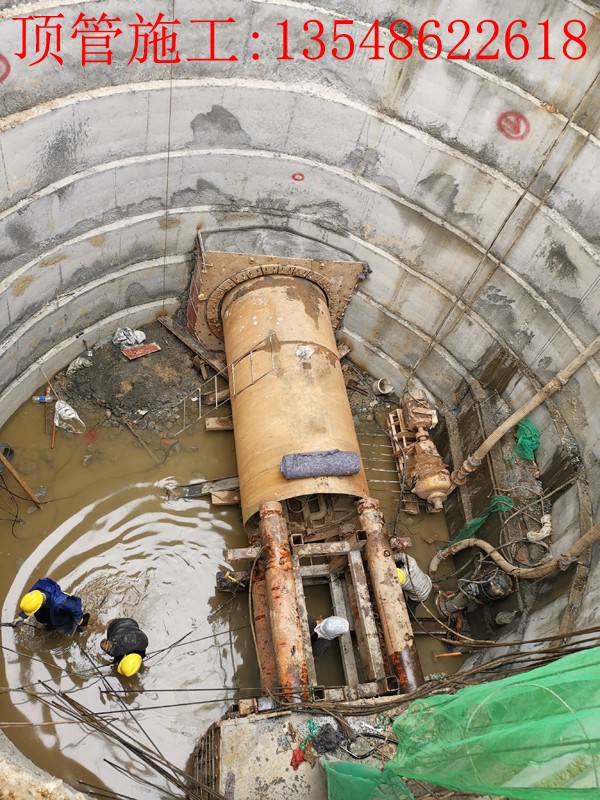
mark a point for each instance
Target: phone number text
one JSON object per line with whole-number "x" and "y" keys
{"x": 156, "y": 40}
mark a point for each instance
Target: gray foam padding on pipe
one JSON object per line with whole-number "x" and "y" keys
{"x": 319, "y": 464}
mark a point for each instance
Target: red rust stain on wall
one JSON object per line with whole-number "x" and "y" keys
{"x": 4, "y": 68}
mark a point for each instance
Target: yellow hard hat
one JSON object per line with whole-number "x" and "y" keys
{"x": 32, "y": 602}
{"x": 401, "y": 576}
{"x": 130, "y": 664}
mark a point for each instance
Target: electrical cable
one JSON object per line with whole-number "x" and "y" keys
{"x": 42, "y": 661}
{"x": 541, "y": 498}
{"x": 165, "y": 705}
{"x": 16, "y": 518}
{"x": 179, "y": 642}
{"x": 170, "y": 647}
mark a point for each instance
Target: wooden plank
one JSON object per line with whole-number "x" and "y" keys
{"x": 218, "y": 423}
{"x": 209, "y": 487}
{"x": 48, "y": 412}
{"x": 215, "y": 398}
{"x": 144, "y": 444}
{"x": 200, "y": 366}
{"x": 7, "y": 465}
{"x": 231, "y": 498}
{"x": 215, "y": 360}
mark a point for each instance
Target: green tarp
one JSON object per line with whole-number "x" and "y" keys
{"x": 528, "y": 440}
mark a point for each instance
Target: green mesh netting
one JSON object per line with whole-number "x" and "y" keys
{"x": 499, "y": 502}
{"x": 528, "y": 440}
{"x": 534, "y": 736}
{"x": 347, "y": 780}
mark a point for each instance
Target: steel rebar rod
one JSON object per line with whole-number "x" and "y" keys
{"x": 161, "y": 765}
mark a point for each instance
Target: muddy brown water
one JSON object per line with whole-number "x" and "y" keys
{"x": 109, "y": 533}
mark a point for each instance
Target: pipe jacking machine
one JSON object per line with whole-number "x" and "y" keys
{"x": 304, "y": 496}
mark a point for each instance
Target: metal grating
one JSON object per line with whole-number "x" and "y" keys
{"x": 402, "y": 438}
{"x": 207, "y": 761}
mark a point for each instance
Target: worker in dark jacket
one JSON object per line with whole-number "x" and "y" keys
{"x": 52, "y": 607}
{"x": 126, "y": 643}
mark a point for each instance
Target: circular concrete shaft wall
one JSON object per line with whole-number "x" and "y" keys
{"x": 470, "y": 186}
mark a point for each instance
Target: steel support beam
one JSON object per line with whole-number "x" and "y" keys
{"x": 388, "y": 595}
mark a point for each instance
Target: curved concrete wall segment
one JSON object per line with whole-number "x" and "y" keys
{"x": 470, "y": 187}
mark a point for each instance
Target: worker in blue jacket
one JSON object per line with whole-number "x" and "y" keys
{"x": 52, "y": 607}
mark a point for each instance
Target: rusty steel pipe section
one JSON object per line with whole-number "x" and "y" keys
{"x": 286, "y": 628}
{"x": 262, "y": 630}
{"x": 388, "y": 595}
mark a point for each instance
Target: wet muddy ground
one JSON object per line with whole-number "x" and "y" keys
{"x": 111, "y": 532}
{"x": 145, "y": 391}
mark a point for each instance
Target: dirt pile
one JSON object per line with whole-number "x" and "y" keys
{"x": 146, "y": 391}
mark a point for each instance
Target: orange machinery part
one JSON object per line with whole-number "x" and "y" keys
{"x": 288, "y": 398}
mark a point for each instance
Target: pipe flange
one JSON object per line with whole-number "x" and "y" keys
{"x": 367, "y": 504}
{"x": 214, "y": 300}
{"x": 270, "y": 508}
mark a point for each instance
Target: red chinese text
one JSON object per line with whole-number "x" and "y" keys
{"x": 96, "y": 36}
{"x": 156, "y": 38}
{"x": 47, "y": 37}
{"x": 213, "y": 48}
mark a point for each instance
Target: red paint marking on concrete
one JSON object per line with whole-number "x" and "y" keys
{"x": 298, "y": 176}
{"x": 513, "y": 125}
{"x": 4, "y": 68}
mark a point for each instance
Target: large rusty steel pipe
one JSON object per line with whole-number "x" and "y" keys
{"x": 286, "y": 629}
{"x": 290, "y": 396}
{"x": 391, "y": 605}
